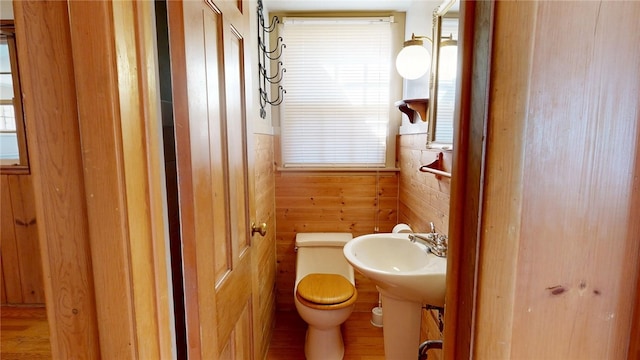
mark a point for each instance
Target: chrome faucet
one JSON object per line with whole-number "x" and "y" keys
{"x": 435, "y": 243}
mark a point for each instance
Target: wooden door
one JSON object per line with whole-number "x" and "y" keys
{"x": 207, "y": 41}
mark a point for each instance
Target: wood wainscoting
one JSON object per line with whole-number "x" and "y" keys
{"x": 265, "y": 245}
{"x": 424, "y": 197}
{"x": 357, "y": 202}
{"x": 21, "y": 268}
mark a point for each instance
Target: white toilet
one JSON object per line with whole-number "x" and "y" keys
{"x": 325, "y": 292}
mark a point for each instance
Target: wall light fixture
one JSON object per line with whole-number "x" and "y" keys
{"x": 414, "y": 60}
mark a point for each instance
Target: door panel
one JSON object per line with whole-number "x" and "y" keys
{"x": 232, "y": 298}
{"x": 236, "y": 130}
{"x": 207, "y": 52}
{"x": 238, "y": 346}
{"x": 211, "y": 35}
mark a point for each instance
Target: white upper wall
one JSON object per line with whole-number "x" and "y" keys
{"x": 6, "y": 9}
{"x": 337, "y": 5}
{"x": 419, "y": 21}
{"x": 419, "y": 18}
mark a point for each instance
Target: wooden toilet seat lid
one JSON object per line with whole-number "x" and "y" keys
{"x": 325, "y": 289}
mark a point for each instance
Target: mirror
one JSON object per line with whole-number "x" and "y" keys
{"x": 444, "y": 68}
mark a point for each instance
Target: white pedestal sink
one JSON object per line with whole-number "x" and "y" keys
{"x": 407, "y": 277}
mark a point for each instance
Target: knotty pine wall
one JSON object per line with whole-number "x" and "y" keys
{"x": 21, "y": 267}
{"x": 265, "y": 246}
{"x": 308, "y": 201}
{"x": 423, "y": 199}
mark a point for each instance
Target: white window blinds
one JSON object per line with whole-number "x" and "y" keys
{"x": 336, "y": 109}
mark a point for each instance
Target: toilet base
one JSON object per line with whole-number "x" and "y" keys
{"x": 324, "y": 344}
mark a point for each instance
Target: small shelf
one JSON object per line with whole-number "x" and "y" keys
{"x": 412, "y": 106}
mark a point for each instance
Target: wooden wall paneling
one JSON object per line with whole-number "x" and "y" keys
{"x": 26, "y": 235}
{"x": 387, "y": 201}
{"x": 430, "y": 331}
{"x": 23, "y": 280}
{"x": 265, "y": 270}
{"x": 47, "y": 77}
{"x": 3, "y": 292}
{"x": 10, "y": 257}
{"x": 423, "y": 197}
{"x": 359, "y": 203}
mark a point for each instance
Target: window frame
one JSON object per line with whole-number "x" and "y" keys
{"x": 7, "y": 31}
{"x": 395, "y": 93}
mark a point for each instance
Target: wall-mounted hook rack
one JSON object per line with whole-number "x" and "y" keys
{"x": 264, "y": 58}
{"x": 436, "y": 167}
{"x": 275, "y": 78}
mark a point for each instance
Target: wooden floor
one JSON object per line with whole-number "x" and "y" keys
{"x": 24, "y": 334}
{"x": 362, "y": 341}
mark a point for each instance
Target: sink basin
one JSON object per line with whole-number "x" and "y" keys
{"x": 407, "y": 277}
{"x": 400, "y": 267}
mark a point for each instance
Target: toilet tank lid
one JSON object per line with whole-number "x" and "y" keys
{"x": 322, "y": 239}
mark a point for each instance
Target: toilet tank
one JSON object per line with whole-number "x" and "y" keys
{"x": 321, "y": 253}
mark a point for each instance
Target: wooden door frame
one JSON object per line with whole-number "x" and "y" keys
{"x": 476, "y": 23}
{"x": 92, "y": 114}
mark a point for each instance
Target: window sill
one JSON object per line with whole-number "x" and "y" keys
{"x": 14, "y": 170}
{"x": 335, "y": 169}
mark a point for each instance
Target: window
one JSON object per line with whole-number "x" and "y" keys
{"x": 13, "y": 147}
{"x": 336, "y": 108}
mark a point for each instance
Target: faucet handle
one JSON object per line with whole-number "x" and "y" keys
{"x": 441, "y": 246}
{"x": 433, "y": 227}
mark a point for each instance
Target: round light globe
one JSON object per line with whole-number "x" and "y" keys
{"x": 413, "y": 62}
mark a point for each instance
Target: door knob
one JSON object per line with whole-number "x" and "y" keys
{"x": 261, "y": 229}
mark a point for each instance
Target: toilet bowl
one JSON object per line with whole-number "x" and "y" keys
{"x": 324, "y": 292}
